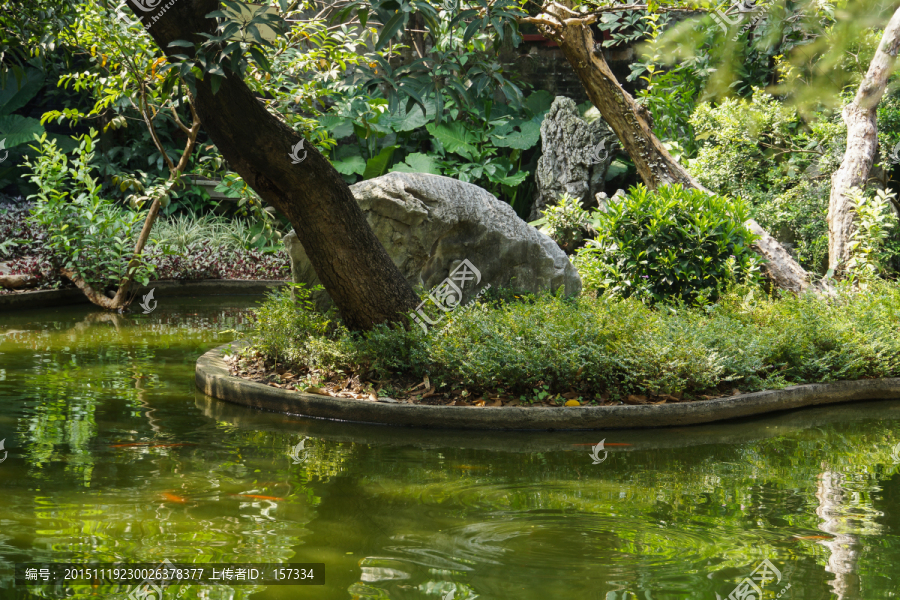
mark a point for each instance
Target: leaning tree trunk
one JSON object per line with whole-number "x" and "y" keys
{"x": 351, "y": 263}
{"x": 862, "y": 142}
{"x": 629, "y": 121}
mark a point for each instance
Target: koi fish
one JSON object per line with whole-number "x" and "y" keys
{"x": 174, "y": 498}
{"x": 811, "y": 537}
{"x": 258, "y": 497}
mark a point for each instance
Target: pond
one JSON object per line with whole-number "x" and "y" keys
{"x": 111, "y": 456}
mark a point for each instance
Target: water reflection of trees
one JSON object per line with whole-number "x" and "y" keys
{"x": 425, "y": 517}
{"x": 67, "y": 369}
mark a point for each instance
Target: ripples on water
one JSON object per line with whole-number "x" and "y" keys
{"x": 113, "y": 456}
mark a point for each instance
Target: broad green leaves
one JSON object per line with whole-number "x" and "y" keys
{"x": 378, "y": 164}
{"x": 455, "y": 138}
{"x": 350, "y": 165}
{"x": 16, "y": 93}
{"x": 418, "y": 163}
{"x": 17, "y": 130}
{"x": 518, "y": 134}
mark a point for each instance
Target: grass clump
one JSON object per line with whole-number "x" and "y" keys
{"x": 602, "y": 349}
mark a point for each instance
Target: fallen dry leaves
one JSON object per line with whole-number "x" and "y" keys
{"x": 362, "y": 386}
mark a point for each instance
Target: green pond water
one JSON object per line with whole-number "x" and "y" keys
{"x": 409, "y": 514}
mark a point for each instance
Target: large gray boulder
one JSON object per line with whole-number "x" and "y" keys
{"x": 430, "y": 224}
{"x": 576, "y": 156}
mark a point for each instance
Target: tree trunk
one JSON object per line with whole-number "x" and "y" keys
{"x": 862, "y": 142}
{"x": 629, "y": 121}
{"x": 351, "y": 263}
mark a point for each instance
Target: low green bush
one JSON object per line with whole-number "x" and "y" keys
{"x": 671, "y": 243}
{"x": 566, "y": 223}
{"x": 605, "y": 347}
{"x": 85, "y": 232}
{"x": 288, "y": 329}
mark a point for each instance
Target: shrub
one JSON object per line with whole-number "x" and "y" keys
{"x": 288, "y": 329}
{"x": 669, "y": 244}
{"x": 764, "y": 152}
{"x": 565, "y": 222}
{"x": 868, "y": 245}
{"x": 86, "y": 233}
{"x": 608, "y": 347}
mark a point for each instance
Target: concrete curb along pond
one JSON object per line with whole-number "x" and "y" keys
{"x": 214, "y": 379}
{"x": 163, "y": 287}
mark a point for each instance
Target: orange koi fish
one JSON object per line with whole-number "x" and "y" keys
{"x": 258, "y": 497}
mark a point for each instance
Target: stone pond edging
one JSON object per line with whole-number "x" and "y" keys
{"x": 169, "y": 287}
{"x": 214, "y": 379}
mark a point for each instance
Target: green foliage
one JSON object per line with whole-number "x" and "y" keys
{"x": 179, "y": 233}
{"x": 671, "y": 93}
{"x": 611, "y": 346}
{"x": 565, "y": 222}
{"x": 874, "y": 220}
{"x": 741, "y": 137}
{"x": 29, "y": 33}
{"x": 486, "y": 146}
{"x": 462, "y": 60}
{"x": 805, "y": 48}
{"x": 356, "y": 93}
{"x": 17, "y": 130}
{"x": 761, "y": 150}
{"x": 288, "y": 329}
{"x": 86, "y": 232}
{"x": 668, "y": 244}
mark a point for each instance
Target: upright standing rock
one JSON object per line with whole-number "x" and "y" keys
{"x": 576, "y": 155}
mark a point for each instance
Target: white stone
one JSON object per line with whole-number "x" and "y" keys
{"x": 429, "y": 224}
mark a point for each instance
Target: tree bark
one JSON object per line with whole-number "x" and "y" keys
{"x": 351, "y": 263}
{"x": 862, "y": 143}
{"x": 121, "y": 299}
{"x": 629, "y": 121}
